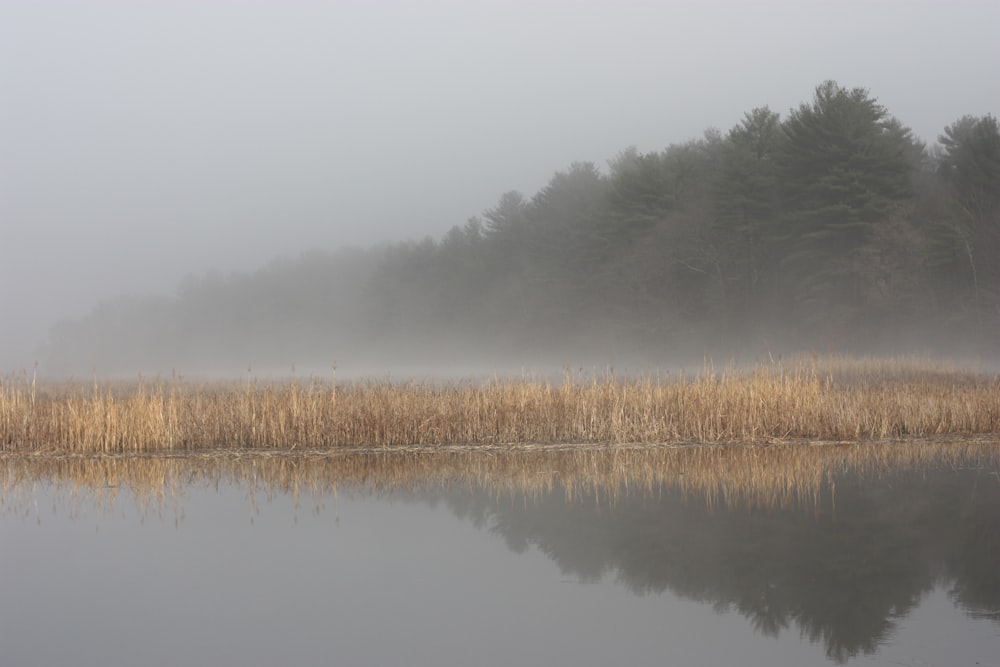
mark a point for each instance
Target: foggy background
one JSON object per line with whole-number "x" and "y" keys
{"x": 141, "y": 143}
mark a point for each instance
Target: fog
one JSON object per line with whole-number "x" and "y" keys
{"x": 142, "y": 143}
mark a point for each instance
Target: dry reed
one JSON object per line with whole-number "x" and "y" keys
{"x": 835, "y": 399}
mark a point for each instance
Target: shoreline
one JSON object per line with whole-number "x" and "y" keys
{"x": 298, "y": 454}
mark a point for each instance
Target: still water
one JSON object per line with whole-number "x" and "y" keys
{"x": 739, "y": 556}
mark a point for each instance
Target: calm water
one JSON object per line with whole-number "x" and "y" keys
{"x": 881, "y": 567}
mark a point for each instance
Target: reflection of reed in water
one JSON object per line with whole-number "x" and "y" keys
{"x": 756, "y": 476}
{"x": 831, "y": 399}
{"x": 840, "y": 577}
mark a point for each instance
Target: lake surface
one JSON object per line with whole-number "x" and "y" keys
{"x": 862, "y": 555}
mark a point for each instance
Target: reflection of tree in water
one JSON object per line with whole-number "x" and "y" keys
{"x": 842, "y": 574}
{"x": 974, "y": 565}
{"x": 775, "y": 549}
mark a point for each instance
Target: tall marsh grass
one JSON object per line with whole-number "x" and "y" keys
{"x": 837, "y": 399}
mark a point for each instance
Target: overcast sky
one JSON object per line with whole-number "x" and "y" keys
{"x": 143, "y": 140}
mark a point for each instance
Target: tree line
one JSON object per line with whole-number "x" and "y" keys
{"x": 832, "y": 228}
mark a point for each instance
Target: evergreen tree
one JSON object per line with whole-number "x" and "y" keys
{"x": 745, "y": 212}
{"x": 563, "y": 241}
{"x": 844, "y": 168}
{"x": 970, "y": 168}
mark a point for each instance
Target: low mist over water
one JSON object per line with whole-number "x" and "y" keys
{"x": 203, "y": 188}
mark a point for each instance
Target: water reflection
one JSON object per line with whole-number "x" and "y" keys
{"x": 841, "y": 575}
{"x": 838, "y": 542}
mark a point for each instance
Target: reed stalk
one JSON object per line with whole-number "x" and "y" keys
{"x": 831, "y": 399}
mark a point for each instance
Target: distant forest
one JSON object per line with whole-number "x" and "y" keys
{"x": 831, "y": 229}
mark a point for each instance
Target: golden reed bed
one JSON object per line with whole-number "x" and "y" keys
{"x": 832, "y": 399}
{"x": 763, "y": 476}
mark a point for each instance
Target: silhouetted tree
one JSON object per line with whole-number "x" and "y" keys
{"x": 970, "y": 166}
{"x": 746, "y": 215}
{"x": 844, "y": 168}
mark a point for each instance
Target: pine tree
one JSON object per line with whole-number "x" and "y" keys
{"x": 970, "y": 168}
{"x": 844, "y": 168}
{"x": 745, "y": 211}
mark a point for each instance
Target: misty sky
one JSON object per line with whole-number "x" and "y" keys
{"x": 141, "y": 141}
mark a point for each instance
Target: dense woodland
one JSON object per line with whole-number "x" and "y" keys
{"x": 831, "y": 228}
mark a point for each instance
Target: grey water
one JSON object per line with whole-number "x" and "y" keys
{"x": 893, "y": 569}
